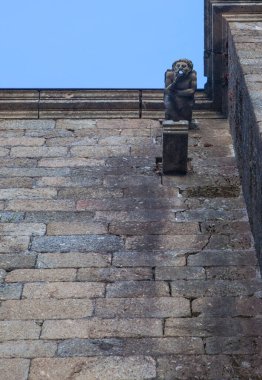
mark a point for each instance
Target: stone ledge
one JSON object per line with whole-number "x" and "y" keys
{"x": 87, "y": 103}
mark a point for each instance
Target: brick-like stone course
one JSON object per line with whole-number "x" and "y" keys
{"x": 23, "y": 229}
{"x": 45, "y": 309}
{"x": 110, "y": 270}
{"x": 216, "y": 326}
{"x": 15, "y": 261}
{"x": 181, "y": 273}
{"x": 69, "y": 162}
{"x": 27, "y": 349}
{"x": 19, "y": 193}
{"x": 89, "y": 192}
{"x": 209, "y": 367}
{"x": 35, "y": 275}
{"x": 17, "y": 182}
{"x": 128, "y": 347}
{"x": 158, "y": 307}
{"x": 209, "y": 288}
{"x": 81, "y": 243}
{"x": 73, "y": 260}
{"x": 222, "y": 258}
{"x": 43, "y": 151}
{"x": 114, "y": 274}
{"x": 153, "y": 228}
{"x": 10, "y": 291}
{"x": 60, "y": 290}
{"x": 16, "y": 330}
{"x": 118, "y": 368}
{"x": 64, "y": 228}
{"x": 15, "y": 369}
{"x": 39, "y": 205}
{"x": 166, "y": 242}
{"x": 16, "y": 244}
{"x": 172, "y": 259}
{"x": 129, "y": 289}
{"x": 227, "y": 306}
{"x": 96, "y": 328}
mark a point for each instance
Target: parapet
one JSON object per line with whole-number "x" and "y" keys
{"x": 88, "y": 103}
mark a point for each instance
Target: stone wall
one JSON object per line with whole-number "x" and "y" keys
{"x": 245, "y": 114}
{"x": 233, "y": 64}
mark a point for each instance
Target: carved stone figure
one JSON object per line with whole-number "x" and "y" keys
{"x": 180, "y": 87}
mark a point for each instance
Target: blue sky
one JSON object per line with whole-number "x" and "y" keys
{"x": 97, "y": 43}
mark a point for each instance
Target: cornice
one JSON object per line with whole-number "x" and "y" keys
{"x": 87, "y": 103}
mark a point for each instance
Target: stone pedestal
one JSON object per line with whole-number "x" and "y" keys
{"x": 175, "y": 146}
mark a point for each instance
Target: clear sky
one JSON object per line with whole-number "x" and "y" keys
{"x": 97, "y": 43}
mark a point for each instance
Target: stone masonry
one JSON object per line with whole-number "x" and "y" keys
{"x": 110, "y": 270}
{"x": 233, "y": 63}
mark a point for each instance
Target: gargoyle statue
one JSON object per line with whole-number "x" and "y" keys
{"x": 180, "y": 87}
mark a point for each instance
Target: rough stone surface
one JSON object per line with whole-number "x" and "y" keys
{"x": 15, "y": 369}
{"x": 27, "y": 349}
{"x": 207, "y": 288}
{"x": 153, "y": 228}
{"x": 27, "y": 193}
{"x": 181, "y": 273}
{"x": 73, "y": 260}
{"x": 23, "y": 229}
{"x": 227, "y": 306}
{"x": 217, "y": 326}
{"x": 75, "y": 229}
{"x": 33, "y": 275}
{"x": 147, "y": 308}
{"x": 45, "y": 309}
{"x": 222, "y": 258}
{"x": 232, "y": 273}
{"x": 38, "y": 152}
{"x": 15, "y": 261}
{"x": 60, "y": 290}
{"x": 16, "y": 330}
{"x": 2, "y": 275}
{"x": 129, "y": 289}
{"x": 232, "y": 345}
{"x": 39, "y": 205}
{"x": 244, "y": 109}
{"x": 147, "y": 346}
{"x": 209, "y": 367}
{"x": 10, "y": 291}
{"x": 150, "y": 259}
{"x": 166, "y": 242}
{"x": 16, "y": 244}
{"x": 58, "y": 216}
{"x": 102, "y": 328}
{"x": 114, "y": 274}
{"x": 118, "y": 368}
{"x": 111, "y": 270}
{"x": 89, "y": 243}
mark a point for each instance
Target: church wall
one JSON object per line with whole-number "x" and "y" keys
{"x": 245, "y": 115}
{"x": 233, "y": 65}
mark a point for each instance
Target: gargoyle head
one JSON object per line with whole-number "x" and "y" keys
{"x": 182, "y": 67}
